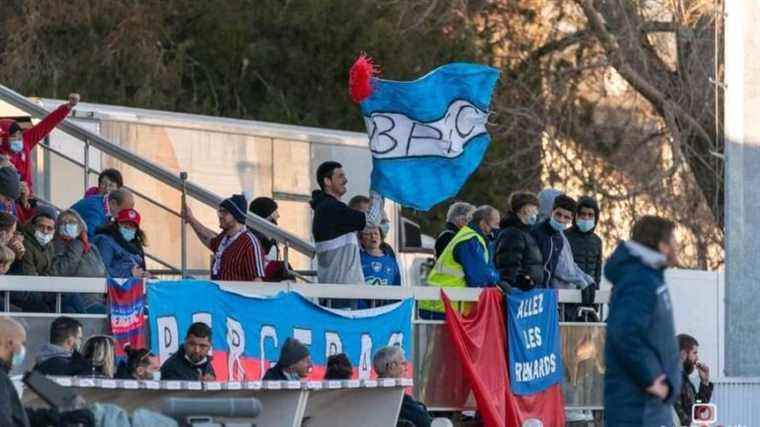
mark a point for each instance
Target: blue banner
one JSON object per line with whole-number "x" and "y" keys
{"x": 428, "y": 135}
{"x": 535, "y": 357}
{"x": 248, "y": 331}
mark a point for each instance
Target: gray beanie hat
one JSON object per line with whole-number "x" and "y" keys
{"x": 10, "y": 185}
{"x": 292, "y": 352}
{"x": 46, "y": 211}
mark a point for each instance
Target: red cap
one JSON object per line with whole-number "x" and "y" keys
{"x": 128, "y": 215}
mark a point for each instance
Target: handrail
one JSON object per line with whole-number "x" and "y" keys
{"x": 155, "y": 171}
{"x": 420, "y": 293}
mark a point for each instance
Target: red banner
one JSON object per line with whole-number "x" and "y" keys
{"x": 480, "y": 342}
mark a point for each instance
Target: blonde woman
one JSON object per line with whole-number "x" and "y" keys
{"x": 99, "y": 351}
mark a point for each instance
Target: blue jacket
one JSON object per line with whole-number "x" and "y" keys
{"x": 550, "y": 242}
{"x": 469, "y": 254}
{"x": 641, "y": 340}
{"x": 117, "y": 259}
{"x": 93, "y": 211}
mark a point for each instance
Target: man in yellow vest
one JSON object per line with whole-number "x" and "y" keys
{"x": 467, "y": 260}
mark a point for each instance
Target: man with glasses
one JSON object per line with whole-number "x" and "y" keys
{"x": 238, "y": 255}
{"x": 548, "y": 235}
{"x": 389, "y": 362}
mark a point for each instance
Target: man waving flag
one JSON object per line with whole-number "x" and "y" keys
{"x": 427, "y": 135}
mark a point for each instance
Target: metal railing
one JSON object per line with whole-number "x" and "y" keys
{"x": 178, "y": 182}
{"x": 96, "y": 285}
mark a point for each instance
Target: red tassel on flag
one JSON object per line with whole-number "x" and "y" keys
{"x": 360, "y": 78}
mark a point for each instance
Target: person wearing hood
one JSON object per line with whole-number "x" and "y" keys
{"x": 458, "y": 215}
{"x": 549, "y": 233}
{"x": 294, "y": 363}
{"x": 467, "y": 261}
{"x": 335, "y": 227}
{"x": 517, "y": 256}
{"x": 101, "y": 209}
{"x": 61, "y": 356}
{"x": 643, "y": 376}
{"x": 121, "y": 245}
{"x": 237, "y": 252}
{"x": 586, "y": 244}
{"x": 560, "y": 271}
{"x": 74, "y": 256}
{"x": 191, "y": 362}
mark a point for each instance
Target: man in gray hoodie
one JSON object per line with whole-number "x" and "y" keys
{"x": 61, "y": 356}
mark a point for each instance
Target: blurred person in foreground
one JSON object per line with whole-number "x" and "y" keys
{"x": 339, "y": 367}
{"x": 12, "y": 413}
{"x": 643, "y": 376}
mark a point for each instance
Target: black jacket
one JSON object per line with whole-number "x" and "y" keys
{"x": 689, "y": 396}
{"x": 333, "y": 218}
{"x": 443, "y": 239}
{"x": 518, "y": 257}
{"x": 275, "y": 374}
{"x": 51, "y": 361}
{"x": 587, "y": 247}
{"x": 177, "y": 367}
{"x": 414, "y": 412}
{"x": 550, "y": 243}
{"x": 12, "y": 414}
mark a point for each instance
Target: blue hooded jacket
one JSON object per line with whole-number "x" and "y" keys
{"x": 641, "y": 340}
{"x": 93, "y": 210}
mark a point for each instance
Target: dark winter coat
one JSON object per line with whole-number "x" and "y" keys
{"x": 177, "y": 367}
{"x": 37, "y": 259}
{"x": 12, "y": 414}
{"x": 275, "y": 374}
{"x": 414, "y": 412}
{"x": 518, "y": 257}
{"x": 443, "y": 239}
{"x": 550, "y": 242}
{"x": 641, "y": 341}
{"x": 689, "y": 396}
{"x": 56, "y": 360}
{"x": 587, "y": 247}
{"x": 334, "y": 228}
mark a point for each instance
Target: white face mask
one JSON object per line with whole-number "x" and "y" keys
{"x": 43, "y": 238}
{"x": 16, "y": 144}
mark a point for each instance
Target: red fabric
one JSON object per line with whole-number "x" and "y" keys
{"x": 31, "y": 137}
{"x": 480, "y": 340}
{"x": 92, "y": 191}
{"x": 128, "y": 215}
{"x": 360, "y": 78}
{"x": 243, "y": 260}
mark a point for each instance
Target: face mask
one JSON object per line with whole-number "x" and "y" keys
{"x": 156, "y": 375}
{"x": 16, "y": 145}
{"x": 127, "y": 233}
{"x": 558, "y": 226}
{"x": 585, "y": 225}
{"x": 43, "y": 238}
{"x": 18, "y": 358}
{"x": 531, "y": 220}
{"x": 70, "y": 230}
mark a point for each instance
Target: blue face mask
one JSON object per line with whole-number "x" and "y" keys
{"x": 532, "y": 220}
{"x": 585, "y": 225}
{"x": 127, "y": 233}
{"x": 18, "y": 358}
{"x": 16, "y": 145}
{"x": 556, "y": 224}
{"x": 70, "y": 230}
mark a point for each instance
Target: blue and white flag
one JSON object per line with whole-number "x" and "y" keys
{"x": 535, "y": 356}
{"x": 428, "y": 135}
